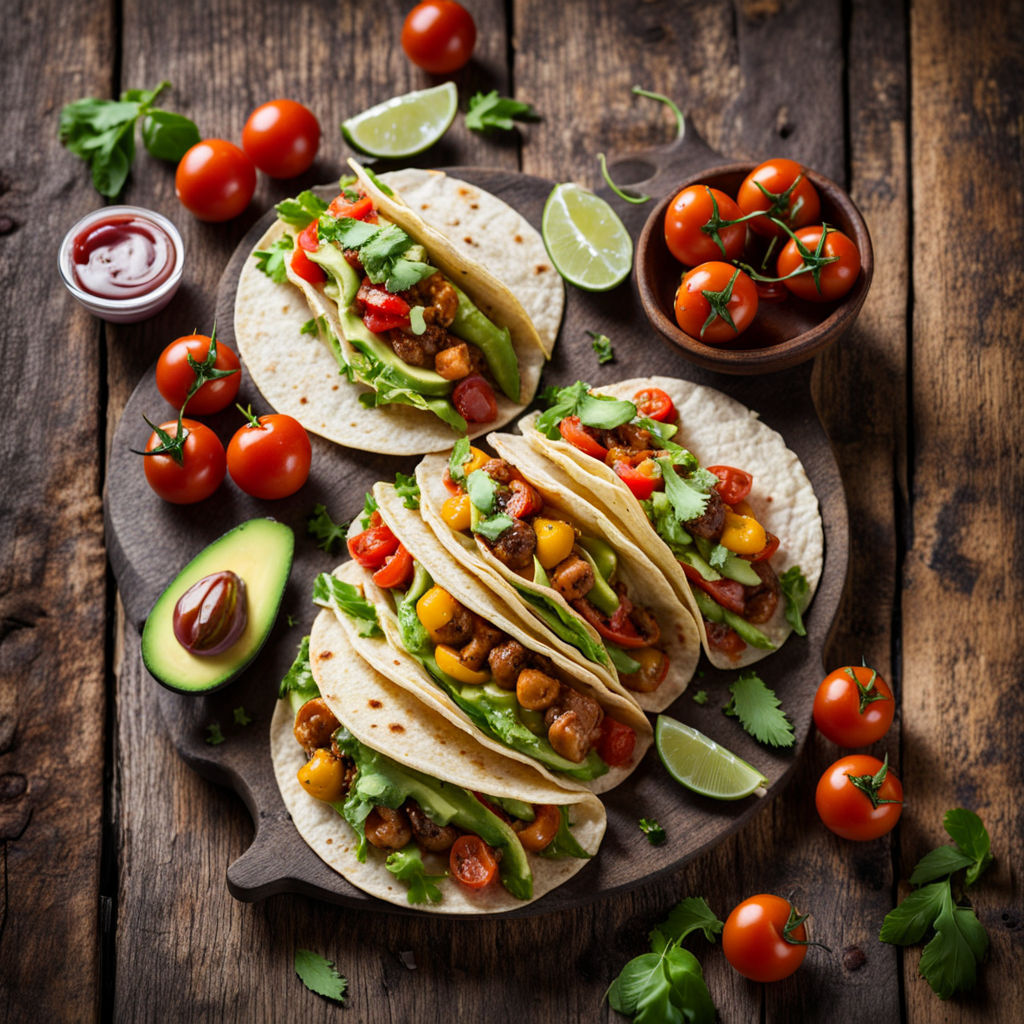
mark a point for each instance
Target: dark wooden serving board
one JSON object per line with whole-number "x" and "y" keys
{"x": 149, "y": 541}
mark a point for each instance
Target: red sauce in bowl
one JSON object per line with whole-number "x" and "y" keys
{"x": 122, "y": 257}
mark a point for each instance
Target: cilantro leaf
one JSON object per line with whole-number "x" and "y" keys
{"x": 330, "y": 536}
{"x": 654, "y": 832}
{"x": 214, "y": 736}
{"x": 795, "y": 589}
{"x": 600, "y": 411}
{"x": 241, "y": 716}
{"x": 602, "y": 346}
{"x": 459, "y": 457}
{"x": 493, "y": 527}
{"x": 971, "y": 837}
{"x": 403, "y": 274}
{"x": 311, "y": 326}
{"x": 346, "y": 232}
{"x": 759, "y": 711}
{"x": 272, "y": 261}
{"x": 491, "y": 112}
{"x": 345, "y": 599}
{"x": 408, "y": 490}
{"x": 407, "y": 866}
{"x": 378, "y": 253}
{"x": 299, "y": 677}
{"x": 319, "y": 976}
{"x": 301, "y": 211}
{"x": 688, "y": 501}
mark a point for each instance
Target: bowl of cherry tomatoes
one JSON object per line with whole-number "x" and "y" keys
{"x": 754, "y": 268}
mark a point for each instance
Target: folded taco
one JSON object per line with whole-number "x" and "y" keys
{"x": 406, "y": 311}
{"x": 714, "y": 497}
{"x": 405, "y": 806}
{"x": 520, "y": 525}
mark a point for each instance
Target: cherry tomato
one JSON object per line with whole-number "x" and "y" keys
{"x": 539, "y": 833}
{"x": 281, "y": 138}
{"x": 372, "y": 547}
{"x": 709, "y": 291}
{"x": 853, "y": 706}
{"x": 359, "y": 209}
{"x": 215, "y": 180}
{"x": 174, "y": 376}
{"x": 270, "y": 458}
{"x": 764, "y": 938}
{"x": 202, "y": 469}
{"x": 642, "y": 485}
{"x": 655, "y": 404}
{"x": 525, "y": 501}
{"x": 692, "y": 230}
{"x": 397, "y": 570}
{"x": 472, "y": 862}
{"x": 474, "y": 400}
{"x": 576, "y": 434}
{"x": 796, "y": 208}
{"x": 439, "y": 36}
{"x": 863, "y": 810}
{"x": 834, "y": 279}
{"x": 733, "y": 484}
{"x": 615, "y": 747}
{"x": 769, "y": 549}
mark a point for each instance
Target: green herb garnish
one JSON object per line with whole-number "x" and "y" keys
{"x": 602, "y": 346}
{"x": 319, "y": 975}
{"x": 491, "y": 112}
{"x": 654, "y": 832}
{"x": 759, "y": 711}
{"x": 272, "y": 261}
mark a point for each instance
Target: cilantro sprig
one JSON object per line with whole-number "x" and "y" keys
{"x": 759, "y": 711}
{"x": 492, "y": 112}
{"x": 272, "y": 261}
{"x": 319, "y": 975}
{"x": 330, "y": 536}
{"x": 602, "y": 346}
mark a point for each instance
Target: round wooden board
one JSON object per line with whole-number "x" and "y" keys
{"x": 149, "y": 541}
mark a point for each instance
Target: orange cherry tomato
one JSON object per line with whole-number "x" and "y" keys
{"x": 472, "y": 862}
{"x": 617, "y": 742}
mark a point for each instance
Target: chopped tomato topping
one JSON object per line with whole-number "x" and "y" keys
{"x": 642, "y": 485}
{"x": 360, "y": 209}
{"x": 616, "y": 744}
{"x": 305, "y": 268}
{"x": 579, "y": 437}
{"x": 397, "y": 570}
{"x": 728, "y": 593}
{"x": 371, "y": 547}
{"x": 525, "y": 500}
{"x": 733, "y": 484}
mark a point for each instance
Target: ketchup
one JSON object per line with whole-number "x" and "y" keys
{"x": 122, "y": 257}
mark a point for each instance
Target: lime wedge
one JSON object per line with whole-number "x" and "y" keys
{"x": 588, "y": 244}
{"x": 700, "y": 764}
{"x": 404, "y": 125}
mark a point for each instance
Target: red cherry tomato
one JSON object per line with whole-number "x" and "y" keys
{"x": 472, "y": 862}
{"x": 359, "y": 209}
{"x": 174, "y": 376}
{"x": 764, "y": 938}
{"x": 728, "y": 593}
{"x": 305, "y": 268}
{"x": 733, "y": 484}
{"x": 202, "y": 469}
{"x": 474, "y": 400}
{"x": 215, "y": 180}
{"x": 615, "y": 747}
{"x": 692, "y": 231}
{"x": 374, "y": 545}
{"x": 863, "y": 810}
{"x": 524, "y": 501}
{"x": 795, "y": 206}
{"x": 281, "y": 138}
{"x": 439, "y": 36}
{"x": 270, "y": 459}
{"x": 853, "y": 706}
{"x": 397, "y": 570}
{"x": 576, "y": 434}
{"x": 709, "y": 291}
{"x": 834, "y": 279}
{"x": 655, "y": 404}
{"x": 769, "y": 549}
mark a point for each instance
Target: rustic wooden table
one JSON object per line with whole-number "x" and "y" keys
{"x": 113, "y": 853}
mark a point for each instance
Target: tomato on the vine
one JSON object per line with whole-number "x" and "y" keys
{"x": 215, "y": 180}
{"x": 853, "y": 706}
{"x": 270, "y": 456}
{"x": 439, "y": 36}
{"x": 858, "y": 797}
{"x": 281, "y": 138}
{"x": 694, "y": 228}
{"x": 830, "y": 280}
{"x": 764, "y": 938}
{"x": 175, "y": 377}
{"x": 779, "y": 188}
{"x": 201, "y": 470}
{"x": 715, "y": 302}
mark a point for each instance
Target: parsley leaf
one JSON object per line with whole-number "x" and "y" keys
{"x": 602, "y": 346}
{"x": 408, "y": 490}
{"x": 407, "y": 866}
{"x": 795, "y": 589}
{"x": 666, "y": 986}
{"x": 949, "y": 961}
{"x": 972, "y": 839}
{"x": 330, "y": 536}
{"x": 319, "y": 976}
{"x": 213, "y": 734}
{"x": 654, "y": 832}
{"x": 489, "y": 111}
{"x": 301, "y": 211}
{"x": 759, "y": 711}
{"x": 241, "y": 716}
{"x": 345, "y": 599}
{"x": 272, "y": 261}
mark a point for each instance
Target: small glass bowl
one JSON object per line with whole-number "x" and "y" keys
{"x": 123, "y": 311}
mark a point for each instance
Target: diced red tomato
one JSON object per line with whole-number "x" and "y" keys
{"x": 381, "y": 323}
{"x": 642, "y": 485}
{"x": 474, "y": 400}
{"x": 397, "y": 570}
{"x": 619, "y": 628}
{"x": 371, "y": 547}
{"x": 309, "y": 237}
{"x": 525, "y": 500}
{"x": 767, "y": 551}
{"x": 728, "y": 593}
{"x": 576, "y": 434}
{"x": 655, "y": 404}
{"x": 306, "y": 268}
{"x": 616, "y": 744}
{"x": 733, "y": 484}
{"x": 358, "y": 210}
{"x": 724, "y": 639}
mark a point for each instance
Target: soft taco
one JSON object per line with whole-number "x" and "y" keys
{"x": 518, "y": 524}
{"x": 407, "y": 311}
{"x": 474, "y": 660}
{"x": 714, "y": 496}
{"x": 405, "y": 806}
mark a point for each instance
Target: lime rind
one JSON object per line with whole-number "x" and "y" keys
{"x": 403, "y": 125}
{"x": 700, "y": 764}
{"x": 587, "y": 242}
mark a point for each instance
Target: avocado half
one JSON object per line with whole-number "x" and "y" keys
{"x": 260, "y": 552}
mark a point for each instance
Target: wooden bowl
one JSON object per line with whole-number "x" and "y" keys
{"x": 784, "y": 332}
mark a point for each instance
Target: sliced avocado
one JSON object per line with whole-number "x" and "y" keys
{"x": 733, "y": 568}
{"x": 260, "y": 552}
{"x": 600, "y": 595}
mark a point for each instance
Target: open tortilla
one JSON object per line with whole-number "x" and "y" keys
{"x": 718, "y": 430}
{"x": 390, "y": 719}
{"x": 679, "y": 640}
{"x": 476, "y": 240}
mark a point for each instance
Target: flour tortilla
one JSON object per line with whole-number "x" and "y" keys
{"x": 390, "y": 719}
{"x": 680, "y": 637}
{"x": 465, "y": 230}
{"x": 719, "y": 431}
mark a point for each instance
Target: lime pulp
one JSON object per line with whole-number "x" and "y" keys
{"x": 404, "y": 125}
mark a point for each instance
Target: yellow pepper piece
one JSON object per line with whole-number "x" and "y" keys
{"x": 436, "y": 608}
{"x": 447, "y": 659}
{"x": 475, "y": 461}
{"x": 555, "y": 539}
{"x": 743, "y": 535}
{"x": 323, "y": 776}
{"x": 741, "y": 508}
{"x": 456, "y": 512}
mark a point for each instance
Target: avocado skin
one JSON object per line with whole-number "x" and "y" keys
{"x": 260, "y": 551}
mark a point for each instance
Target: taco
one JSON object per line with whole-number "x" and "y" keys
{"x": 460, "y": 650}
{"x": 521, "y": 529}
{"x": 718, "y": 502}
{"x": 388, "y": 331}
{"x": 405, "y": 806}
